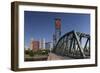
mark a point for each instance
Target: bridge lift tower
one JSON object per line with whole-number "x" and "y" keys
{"x": 57, "y": 33}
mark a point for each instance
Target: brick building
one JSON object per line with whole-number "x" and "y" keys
{"x": 34, "y": 45}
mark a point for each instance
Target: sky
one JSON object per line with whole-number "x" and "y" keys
{"x": 39, "y": 25}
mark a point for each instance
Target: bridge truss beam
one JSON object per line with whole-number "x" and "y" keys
{"x": 74, "y": 45}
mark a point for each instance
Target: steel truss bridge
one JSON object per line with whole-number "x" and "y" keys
{"x": 74, "y": 45}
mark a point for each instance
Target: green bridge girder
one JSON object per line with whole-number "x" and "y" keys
{"x": 71, "y": 45}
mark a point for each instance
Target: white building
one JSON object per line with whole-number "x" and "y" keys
{"x": 42, "y": 44}
{"x": 31, "y": 44}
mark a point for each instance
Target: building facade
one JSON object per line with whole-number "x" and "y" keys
{"x": 34, "y": 45}
{"x": 42, "y": 44}
{"x": 49, "y": 45}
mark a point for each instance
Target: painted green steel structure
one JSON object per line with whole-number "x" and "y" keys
{"x": 71, "y": 45}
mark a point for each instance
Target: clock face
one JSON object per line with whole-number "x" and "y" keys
{"x": 58, "y": 23}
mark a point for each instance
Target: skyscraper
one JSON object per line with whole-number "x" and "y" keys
{"x": 31, "y": 45}
{"x": 42, "y": 44}
{"x": 34, "y": 45}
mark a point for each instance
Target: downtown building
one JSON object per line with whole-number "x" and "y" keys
{"x": 34, "y": 45}
{"x": 37, "y": 45}
{"x": 42, "y": 44}
{"x": 49, "y": 45}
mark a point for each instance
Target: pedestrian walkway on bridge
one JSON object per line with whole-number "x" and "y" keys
{"x": 53, "y": 56}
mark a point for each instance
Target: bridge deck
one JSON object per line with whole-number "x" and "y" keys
{"x": 53, "y": 56}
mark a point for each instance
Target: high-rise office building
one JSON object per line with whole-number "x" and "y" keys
{"x": 49, "y": 45}
{"x": 42, "y": 44}
{"x": 31, "y": 44}
{"x": 34, "y": 45}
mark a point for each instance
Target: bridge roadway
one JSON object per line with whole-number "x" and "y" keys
{"x": 53, "y": 56}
